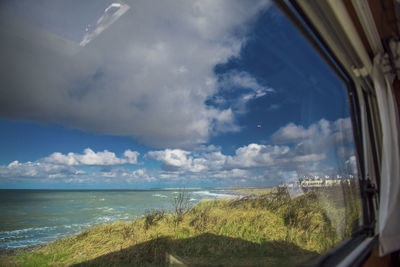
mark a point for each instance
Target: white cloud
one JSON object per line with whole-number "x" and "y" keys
{"x": 307, "y": 151}
{"x": 37, "y": 170}
{"x": 251, "y": 89}
{"x": 332, "y": 140}
{"x": 292, "y": 133}
{"x": 342, "y": 129}
{"x": 345, "y": 152}
{"x": 244, "y": 80}
{"x": 351, "y": 164}
{"x": 175, "y": 159}
{"x": 309, "y": 157}
{"x": 131, "y": 156}
{"x": 318, "y": 137}
{"x": 147, "y": 75}
{"x": 234, "y": 173}
{"x": 255, "y": 155}
{"x": 122, "y": 174}
{"x": 89, "y": 157}
{"x": 318, "y": 145}
{"x": 246, "y": 157}
{"x": 68, "y": 167}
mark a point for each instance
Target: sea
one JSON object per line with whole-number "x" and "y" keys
{"x": 30, "y": 217}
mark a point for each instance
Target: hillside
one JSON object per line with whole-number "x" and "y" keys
{"x": 269, "y": 229}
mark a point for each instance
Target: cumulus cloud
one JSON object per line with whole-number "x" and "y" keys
{"x": 245, "y": 157}
{"x": 318, "y": 137}
{"x": 89, "y": 157}
{"x": 332, "y": 140}
{"x": 139, "y": 175}
{"x": 304, "y": 150}
{"x": 175, "y": 159}
{"x": 51, "y": 172}
{"x": 292, "y": 133}
{"x": 254, "y": 164}
{"x": 146, "y": 75}
{"x": 314, "y": 153}
{"x": 255, "y": 155}
{"x": 58, "y": 166}
{"x": 38, "y": 170}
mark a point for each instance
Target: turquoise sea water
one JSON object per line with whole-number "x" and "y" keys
{"x": 31, "y": 217}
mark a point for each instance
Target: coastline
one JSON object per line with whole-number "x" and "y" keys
{"x": 224, "y": 231}
{"x": 104, "y": 207}
{"x": 21, "y": 250}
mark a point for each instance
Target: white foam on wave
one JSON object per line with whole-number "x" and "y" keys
{"x": 216, "y": 195}
{"x": 105, "y": 208}
{"x": 25, "y": 243}
{"x": 79, "y": 226}
{"x": 27, "y": 230}
{"x": 159, "y": 195}
{"x": 105, "y": 219}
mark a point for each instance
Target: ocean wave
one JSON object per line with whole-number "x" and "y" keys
{"x": 216, "y": 195}
{"x": 105, "y": 219}
{"x": 81, "y": 214}
{"x": 24, "y": 243}
{"x": 79, "y": 226}
{"x": 159, "y": 195}
{"x": 27, "y": 230}
{"x": 105, "y": 208}
{"x": 108, "y": 209}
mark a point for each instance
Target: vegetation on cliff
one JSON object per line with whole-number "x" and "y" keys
{"x": 268, "y": 229}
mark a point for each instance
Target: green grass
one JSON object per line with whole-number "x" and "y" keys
{"x": 270, "y": 229}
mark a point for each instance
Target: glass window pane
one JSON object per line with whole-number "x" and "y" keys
{"x": 201, "y": 132}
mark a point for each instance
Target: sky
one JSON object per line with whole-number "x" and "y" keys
{"x": 102, "y": 94}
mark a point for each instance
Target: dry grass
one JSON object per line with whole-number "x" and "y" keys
{"x": 255, "y": 191}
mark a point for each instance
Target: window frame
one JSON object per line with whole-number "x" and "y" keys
{"x": 366, "y": 129}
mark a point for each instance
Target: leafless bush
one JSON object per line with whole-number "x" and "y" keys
{"x": 152, "y": 217}
{"x": 128, "y": 231}
{"x": 181, "y": 205}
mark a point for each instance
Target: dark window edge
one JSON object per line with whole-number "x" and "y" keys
{"x": 355, "y": 250}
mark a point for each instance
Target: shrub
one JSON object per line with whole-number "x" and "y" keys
{"x": 152, "y": 217}
{"x": 181, "y": 205}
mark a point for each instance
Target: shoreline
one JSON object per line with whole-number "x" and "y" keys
{"x": 21, "y": 250}
{"x": 229, "y": 229}
{"x": 232, "y": 193}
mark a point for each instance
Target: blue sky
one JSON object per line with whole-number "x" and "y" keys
{"x": 179, "y": 94}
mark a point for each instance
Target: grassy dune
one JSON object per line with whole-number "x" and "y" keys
{"x": 269, "y": 229}
{"x": 256, "y": 191}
